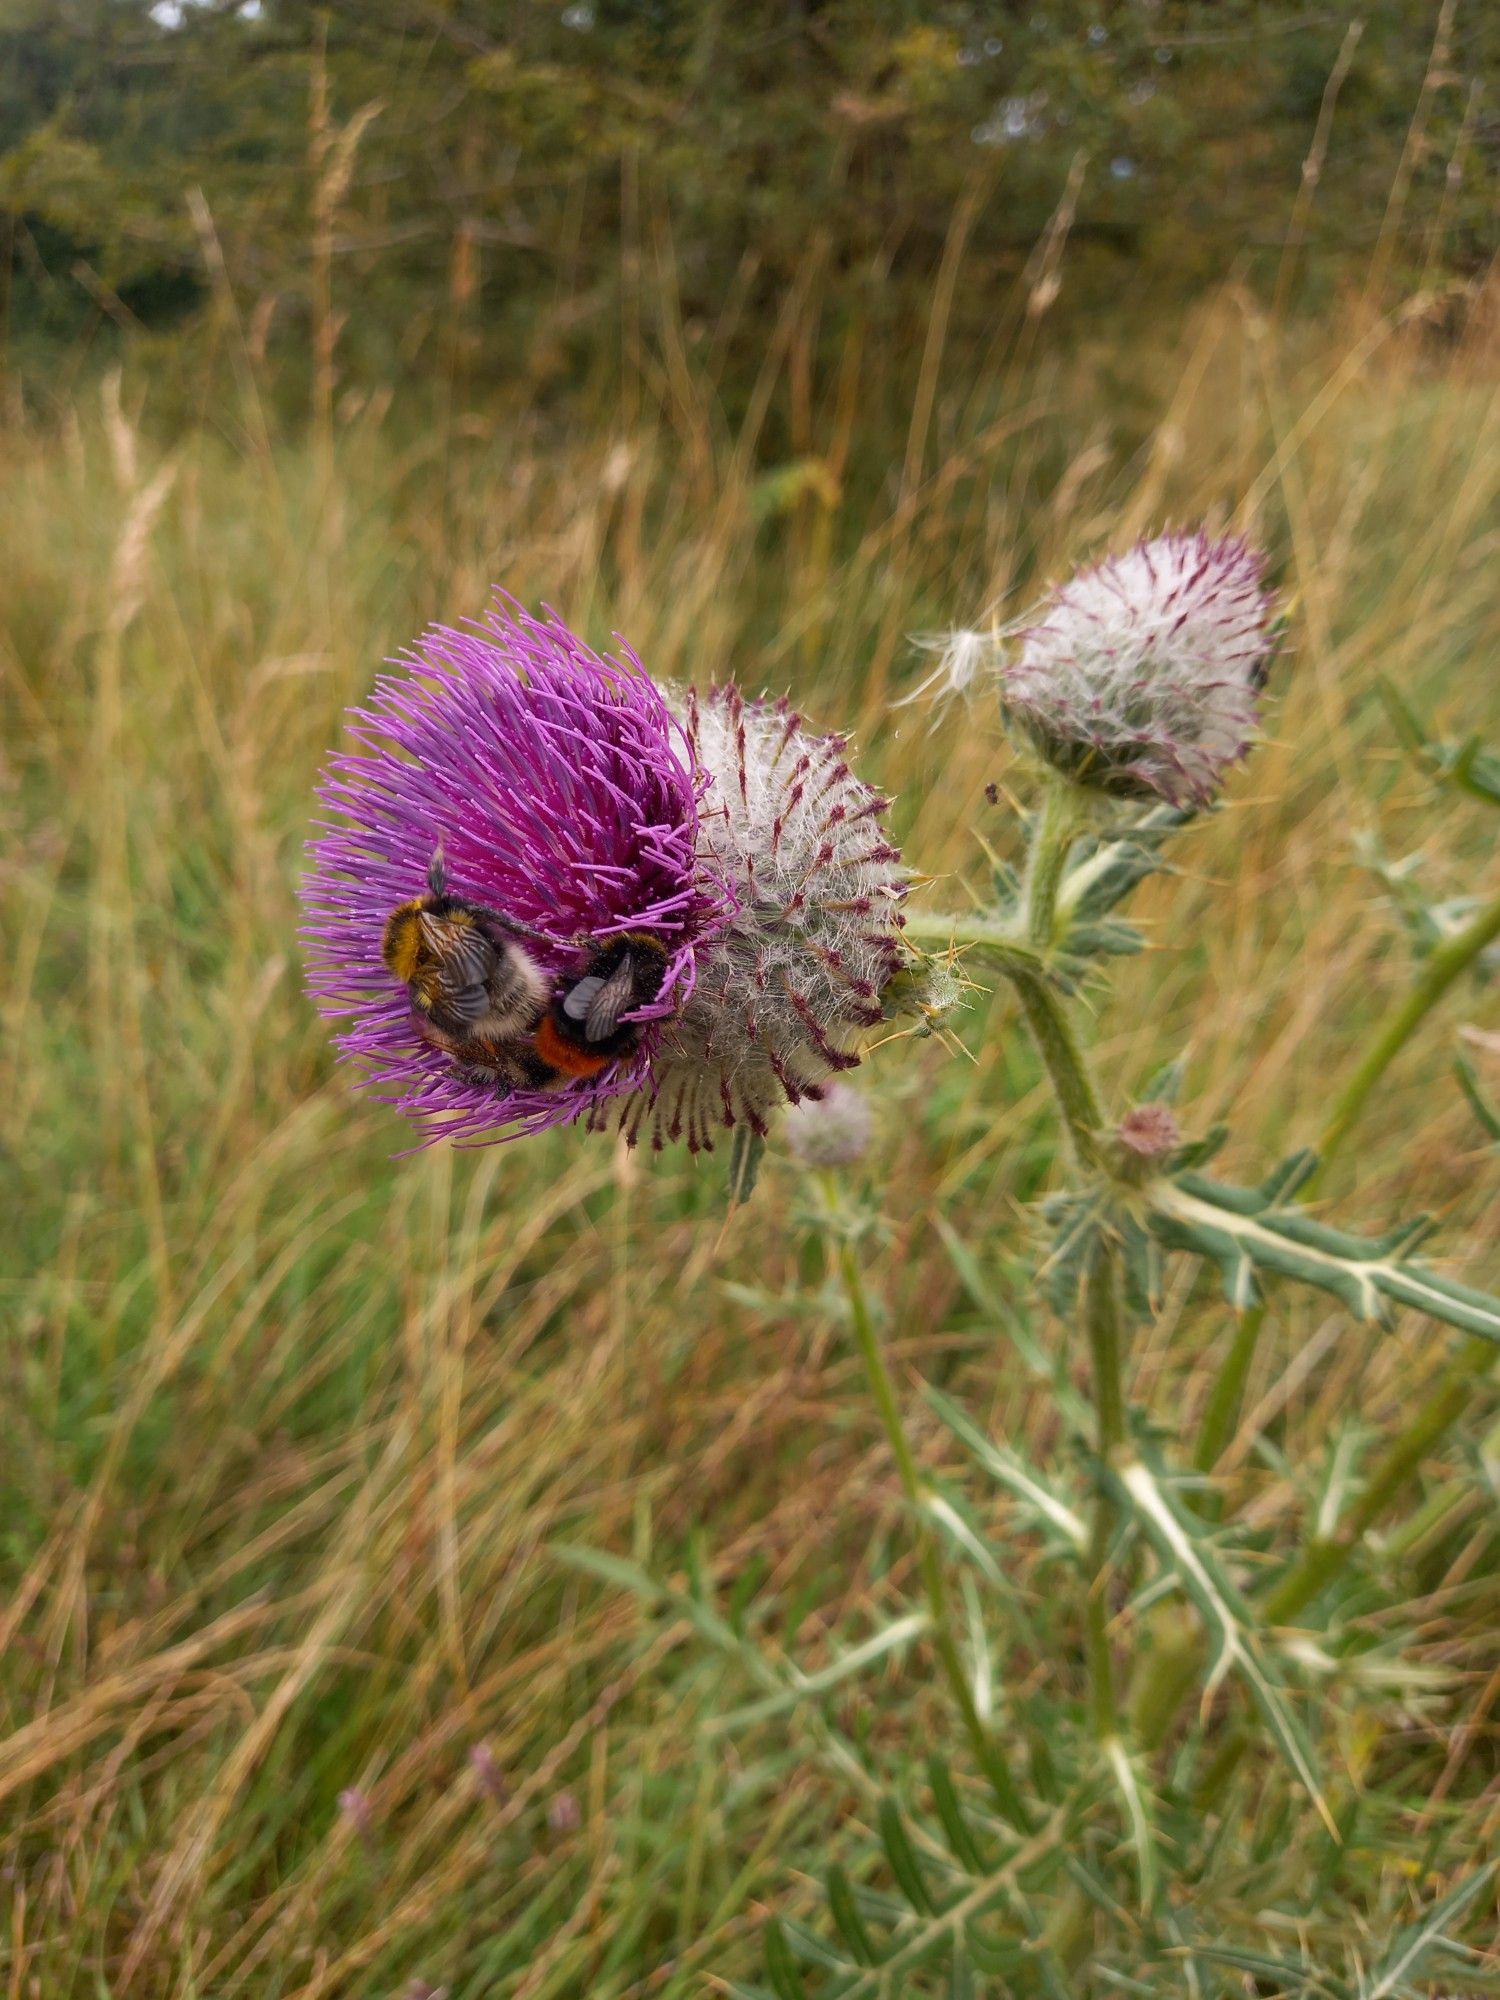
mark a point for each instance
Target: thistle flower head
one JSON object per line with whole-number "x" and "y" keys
{"x": 560, "y": 791}
{"x": 790, "y": 980}
{"x": 1149, "y": 1131}
{"x": 1140, "y": 676}
{"x": 834, "y": 1130}
{"x": 565, "y": 792}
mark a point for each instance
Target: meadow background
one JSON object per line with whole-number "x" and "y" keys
{"x": 767, "y": 337}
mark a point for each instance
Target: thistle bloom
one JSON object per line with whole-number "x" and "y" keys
{"x": 1140, "y": 676}
{"x": 566, "y": 792}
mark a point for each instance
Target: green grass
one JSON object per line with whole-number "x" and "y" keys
{"x": 293, "y": 1426}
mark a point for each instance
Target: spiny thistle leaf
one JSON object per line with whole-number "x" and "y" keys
{"x": 1469, "y": 1084}
{"x": 1246, "y": 1232}
{"x": 1101, "y": 874}
{"x": 902, "y": 1857}
{"x": 950, "y": 1811}
{"x": 845, "y": 1913}
{"x": 893, "y": 1638}
{"x": 745, "y": 1154}
{"x": 1283, "y": 1975}
{"x": 882, "y": 1940}
{"x": 1183, "y": 1545}
{"x": 781, "y": 1967}
{"x": 1007, "y": 1470}
{"x": 1468, "y": 766}
{"x": 1415, "y": 1943}
{"x": 1430, "y": 925}
{"x": 1142, "y": 1832}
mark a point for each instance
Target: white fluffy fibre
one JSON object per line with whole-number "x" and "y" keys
{"x": 783, "y": 994}
{"x": 1141, "y": 674}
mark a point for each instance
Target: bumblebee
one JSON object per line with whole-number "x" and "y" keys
{"x": 583, "y": 1030}
{"x": 479, "y": 997}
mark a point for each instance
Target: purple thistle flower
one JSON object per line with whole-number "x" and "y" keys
{"x": 565, "y": 792}
{"x": 561, "y": 792}
{"x": 1141, "y": 675}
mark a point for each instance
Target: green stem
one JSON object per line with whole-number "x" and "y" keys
{"x": 929, "y": 1559}
{"x": 1447, "y": 962}
{"x": 1102, "y": 1311}
{"x": 1050, "y": 848}
{"x": 1322, "y": 1560}
{"x": 1443, "y": 966}
{"x": 985, "y": 937}
{"x": 1221, "y": 1418}
{"x": 1058, "y": 1045}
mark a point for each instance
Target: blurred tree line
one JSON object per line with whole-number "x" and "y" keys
{"x": 388, "y": 189}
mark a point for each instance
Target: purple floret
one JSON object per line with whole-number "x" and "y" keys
{"x": 563, "y": 793}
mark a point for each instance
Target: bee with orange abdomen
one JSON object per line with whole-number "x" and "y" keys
{"x": 584, "y": 1029}
{"x": 479, "y": 997}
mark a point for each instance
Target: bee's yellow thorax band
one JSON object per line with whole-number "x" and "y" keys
{"x": 401, "y": 948}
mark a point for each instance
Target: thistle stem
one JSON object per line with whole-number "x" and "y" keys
{"x": 1051, "y": 844}
{"x": 929, "y": 1559}
{"x": 1322, "y": 1559}
{"x": 1102, "y": 1312}
{"x": 1445, "y": 965}
{"x": 1067, "y": 1068}
{"x": 986, "y": 937}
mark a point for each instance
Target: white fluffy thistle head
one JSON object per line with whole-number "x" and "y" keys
{"x": 834, "y": 1130}
{"x": 787, "y": 988}
{"x": 1140, "y": 676}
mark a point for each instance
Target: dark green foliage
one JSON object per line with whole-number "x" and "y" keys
{"x": 530, "y": 172}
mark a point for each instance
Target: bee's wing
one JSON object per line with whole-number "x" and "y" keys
{"x": 579, "y": 998}
{"x": 612, "y": 997}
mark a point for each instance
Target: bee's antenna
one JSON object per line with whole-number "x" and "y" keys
{"x": 437, "y": 874}
{"x": 508, "y": 923}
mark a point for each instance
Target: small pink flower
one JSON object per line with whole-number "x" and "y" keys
{"x": 1149, "y": 1131}
{"x": 488, "y": 1775}
{"x": 563, "y": 1814}
{"x": 355, "y": 1808}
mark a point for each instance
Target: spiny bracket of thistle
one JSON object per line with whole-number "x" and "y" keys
{"x": 1104, "y": 867}
{"x": 1469, "y": 766}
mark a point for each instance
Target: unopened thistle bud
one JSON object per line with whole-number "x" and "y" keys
{"x": 1140, "y": 676}
{"x": 1149, "y": 1131}
{"x": 834, "y": 1130}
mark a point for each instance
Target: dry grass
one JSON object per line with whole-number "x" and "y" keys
{"x": 290, "y": 1425}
